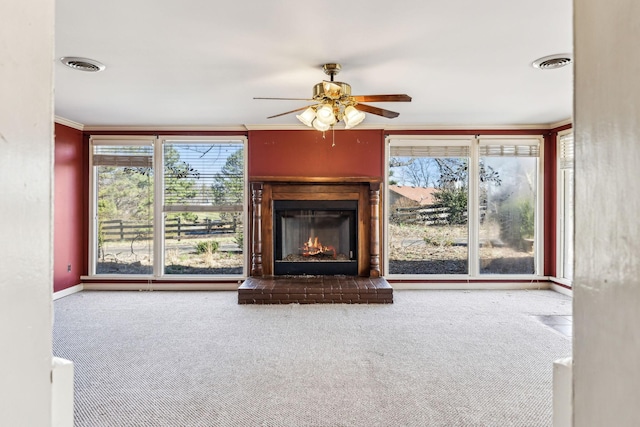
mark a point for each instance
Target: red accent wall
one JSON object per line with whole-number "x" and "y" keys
{"x": 69, "y": 212}
{"x": 296, "y": 153}
{"x": 352, "y": 153}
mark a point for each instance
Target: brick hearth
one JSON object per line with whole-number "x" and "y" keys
{"x": 315, "y": 289}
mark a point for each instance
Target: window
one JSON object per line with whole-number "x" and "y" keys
{"x": 508, "y": 181}
{"x": 168, "y": 206}
{"x": 461, "y": 206}
{"x": 428, "y": 190}
{"x": 123, "y": 221}
{"x": 565, "y": 206}
{"x": 203, "y": 207}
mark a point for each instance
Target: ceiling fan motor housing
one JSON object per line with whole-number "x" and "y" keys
{"x": 331, "y": 90}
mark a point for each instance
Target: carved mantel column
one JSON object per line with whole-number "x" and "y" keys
{"x": 374, "y": 250}
{"x": 256, "y": 249}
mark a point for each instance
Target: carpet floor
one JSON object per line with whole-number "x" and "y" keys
{"x": 433, "y": 358}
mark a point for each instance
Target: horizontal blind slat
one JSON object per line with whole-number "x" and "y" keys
{"x": 429, "y": 151}
{"x": 566, "y": 155}
{"x": 123, "y": 161}
{"x": 203, "y": 208}
{"x": 504, "y": 150}
{"x": 206, "y": 176}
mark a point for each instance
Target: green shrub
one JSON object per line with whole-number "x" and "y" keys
{"x": 456, "y": 201}
{"x": 207, "y": 246}
{"x": 239, "y": 239}
{"x": 516, "y": 221}
{"x": 438, "y": 241}
{"x": 527, "y": 226}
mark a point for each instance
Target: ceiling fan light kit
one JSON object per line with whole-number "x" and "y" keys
{"x": 307, "y": 117}
{"x": 352, "y": 117}
{"x": 318, "y": 125}
{"x": 334, "y": 103}
{"x": 325, "y": 114}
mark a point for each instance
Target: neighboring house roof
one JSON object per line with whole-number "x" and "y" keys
{"x": 423, "y": 196}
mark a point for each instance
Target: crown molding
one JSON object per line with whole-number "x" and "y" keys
{"x": 340, "y": 126}
{"x": 158, "y": 129}
{"x": 252, "y": 127}
{"x": 69, "y": 123}
{"x": 544, "y": 126}
{"x": 561, "y": 123}
{"x": 278, "y": 127}
{"x": 466, "y": 127}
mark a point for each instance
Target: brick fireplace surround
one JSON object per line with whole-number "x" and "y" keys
{"x": 263, "y": 287}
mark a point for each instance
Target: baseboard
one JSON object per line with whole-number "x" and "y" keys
{"x": 561, "y": 289}
{"x": 159, "y": 286}
{"x": 66, "y": 292}
{"x": 503, "y": 286}
{"x": 233, "y": 286}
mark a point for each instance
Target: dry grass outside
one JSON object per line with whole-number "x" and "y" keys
{"x": 413, "y": 249}
{"x": 443, "y": 249}
{"x": 181, "y": 257}
{"x": 419, "y": 242}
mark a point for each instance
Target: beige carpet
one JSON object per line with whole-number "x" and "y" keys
{"x": 433, "y": 358}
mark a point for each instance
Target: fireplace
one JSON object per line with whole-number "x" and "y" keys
{"x": 315, "y": 237}
{"x": 315, "y": 240}
{"x": 315, "y": 226}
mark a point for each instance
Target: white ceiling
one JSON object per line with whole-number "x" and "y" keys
{"x": 200, "y": 62}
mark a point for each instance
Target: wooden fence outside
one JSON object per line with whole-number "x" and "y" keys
{"x": 117, "y": 229}
{"x": 425, "y": 215}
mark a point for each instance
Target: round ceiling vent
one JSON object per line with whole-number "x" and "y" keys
{"x": 553, "y": 61}
{"x": 83, "y": 64}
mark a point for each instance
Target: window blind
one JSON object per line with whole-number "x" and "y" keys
{"x": 207, "y": 176}
{"x": 565, "y": 154}
{"x": 430, "y": 151}
{"x": 123, "y": 155}
{"x": 509, "y": 150}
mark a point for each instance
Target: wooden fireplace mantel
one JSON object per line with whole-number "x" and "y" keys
{"x": 266, "y": 189}
{"x": 317, "y": 179}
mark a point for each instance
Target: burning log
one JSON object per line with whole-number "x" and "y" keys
{"x": 313, "y": 247}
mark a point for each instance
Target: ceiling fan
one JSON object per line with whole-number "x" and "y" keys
{"x": 333, "y": 102}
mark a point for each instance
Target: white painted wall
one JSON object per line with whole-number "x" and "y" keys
{"x": 607, "y": 283}
{"x": 26, "y": 243}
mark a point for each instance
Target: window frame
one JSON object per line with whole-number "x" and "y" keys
{"x": 108, "y": 140}
{"x": 157, "y": 143}
{"x": 474, "y": 142}
{"x": 539, "y": 235}
{"x": 440, "y": 140}
{"x": 560, "y": 208}
{"x": 161, "y": 208}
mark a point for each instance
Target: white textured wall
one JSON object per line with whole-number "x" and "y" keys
{"x": 607, "y": 282}
{"x": 26, "y": 167}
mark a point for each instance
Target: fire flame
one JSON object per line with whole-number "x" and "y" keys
{"x": 314, "y": 247}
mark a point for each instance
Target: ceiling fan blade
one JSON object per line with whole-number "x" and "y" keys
{"x": 378, "y": 111}
{"x": 382, "y": 98}
{"x": 289, "y": 112}
{"x": 286, "y": 99}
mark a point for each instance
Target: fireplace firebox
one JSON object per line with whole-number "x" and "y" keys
{"x": 315, "y": 237}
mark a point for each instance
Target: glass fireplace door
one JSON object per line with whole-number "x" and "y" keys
{"x": 315, "y": 237}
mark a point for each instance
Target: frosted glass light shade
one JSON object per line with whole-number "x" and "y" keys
{"x": 352, "y": 117}
{"x": 307, "y": 116}
{"x": 325, "y": 114}
{"x": 318, "y": 125}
